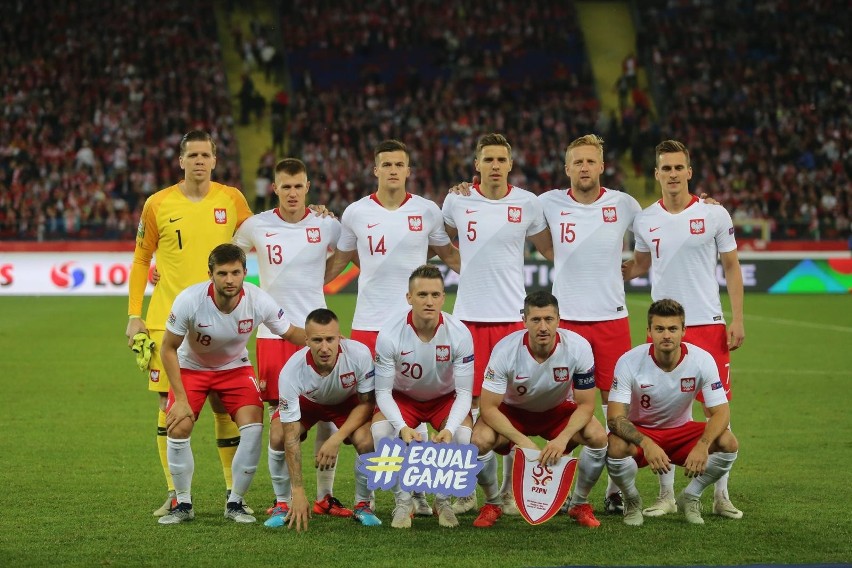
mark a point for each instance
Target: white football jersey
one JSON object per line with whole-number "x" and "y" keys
{"x": 659, "y": 399}
{"x": 213, "y": 341}
{"x": 492, "y": 235}
{"x": 537, "y": 387}
{"x": 424, "y": 370}
{"x": 587, "y": 244}
{"x": 291, "y": 260}
{"x": 390, "y": 244}
{"x": 353, "y": 373}
{"x": 684, "y": 248}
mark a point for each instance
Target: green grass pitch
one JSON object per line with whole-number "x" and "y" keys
{"x": 78, "y": 462}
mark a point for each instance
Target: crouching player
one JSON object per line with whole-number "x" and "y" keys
{"x": 330, "y": 380}
{"x": 540, "y": 381}
{"x": 650, "y": 415}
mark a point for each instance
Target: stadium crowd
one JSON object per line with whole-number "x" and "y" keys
{"x": 95, "y": 100}
{"x": 764, "y": 108}
{"x": 760, "y": 93}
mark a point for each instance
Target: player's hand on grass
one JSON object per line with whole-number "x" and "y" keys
{"x": 179, "y": 412}
{"x": 443, "y": 437}
{"x": 464, "y": 187}
{"x": 736, "y": 335}
{"x": 299, "y": 512}
{"x": 134, "y": 326}
{"x": 410, "y": 434}
{"x": 657, "y": 459}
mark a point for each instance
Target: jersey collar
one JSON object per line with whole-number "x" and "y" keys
{"x": 278, "y": 214}
{"x": 692, "y": 202}
{"x": 509, "y": 187}
{"x": 571, "y": 194}
{"x": 683, "y": 351}
{"x": 375, "y": 197}
{"x": 552, "y": 351}
{"x": 212, "y": 293}
{"x": 410, "y": 320}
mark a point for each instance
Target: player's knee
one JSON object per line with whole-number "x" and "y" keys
{"x": 483, "y": 439}
{"x": 276, "y": 436}
{"x": 594, "y": 434}
{"x": 617, "y": 448}
{"x": 727, "y": 442}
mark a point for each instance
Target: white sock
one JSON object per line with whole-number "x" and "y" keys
{"x": 592, "y": 462}
{"x": 462, "y": 435}
{"x": 611, "y": 487}
{"x": 623, "y": 472}
{"x": 721, "y": 487}
{"x": 487, "y": 478}
{"x": 380, "y": 431}
{"x": 325, "y": 477}
{"x": 181, "y": 466}
{"x": 474, "y": 413}
{"x": 508, "y": 463}
{"x": 279, "y": 472}
{"x": 718, "y": 464}
{"x": 667, "y": 482}
{"x": 246, "y": 457}
{"x": 361, "y": 491}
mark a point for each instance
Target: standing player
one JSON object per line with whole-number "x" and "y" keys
{"x": 329, "y": 380}
{"x": 392, "y": 232}
{"x": 492, "y": 223}
{"x": 203, "y": 351}
{"x": 182, "y": 224}
{"x": 540, "y": 381}
{"x": 292, "y": 252}
{"x": 680, "y": 238}
{"x": 424, "y": 373}
{"x": 587, "y": 225}
{"x": 650, "y": 415}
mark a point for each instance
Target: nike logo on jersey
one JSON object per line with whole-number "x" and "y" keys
{"x": 406, "y": 352}
{"x": 565, "y": 212}
{"x": 520, "y": 378}
{"x": 370, "y": 226}
{"x": 654, "y": 229}
{"x": 204, "y": 325}
{"x": 469, "y": 211}
{"x": 643, "y": 386}
{"x": 270, "y": 235}
{"x": 174, "y": 220}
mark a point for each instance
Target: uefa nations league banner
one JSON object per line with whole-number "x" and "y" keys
{"x": 106, "y": 273}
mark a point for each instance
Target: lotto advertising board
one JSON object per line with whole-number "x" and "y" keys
{"x": 107, "y": 273}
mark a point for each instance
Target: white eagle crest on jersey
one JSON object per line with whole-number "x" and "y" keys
{"x": 442, "y": 353}
{"x": 415, "y": 223}
{"x": 696, "y": 226}
{"x": 313, "y": 234}
{"x": 220, "y": 216}
{"x": 561, "y": 374}
{"x": 610, "y": 215}
{"x": 245, "y": 326}
{"x": 514, "y": 214}
{"x": 687, "y": 384}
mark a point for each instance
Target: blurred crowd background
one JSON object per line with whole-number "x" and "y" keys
{"x": 95, "y": 98}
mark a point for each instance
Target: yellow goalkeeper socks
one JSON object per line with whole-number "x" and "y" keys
{"x": 161, "y": 447}
{"x": 227, "y": 440}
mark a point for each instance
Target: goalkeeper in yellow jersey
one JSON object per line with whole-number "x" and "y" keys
{"x": 181, "y": 224}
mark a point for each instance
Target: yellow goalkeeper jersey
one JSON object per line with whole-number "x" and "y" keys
{"x": 182, "y": 233}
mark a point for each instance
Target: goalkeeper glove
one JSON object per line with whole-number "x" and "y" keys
{"x": 143, "y": 346}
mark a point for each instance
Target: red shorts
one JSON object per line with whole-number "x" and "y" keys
{"x": 271, "y": 356}
{"x": 415, "y": 412}
{"x": 676, "y": 442}
{"x": 548, "y": 424}
{"x": 609, "y": 340}
{"x": 236, "y": 388}
{"x": 368, "y": 338}
{"x": 485, "y": 337}
{"x": 713, "y": 338}
{"x": 313, "y": 412}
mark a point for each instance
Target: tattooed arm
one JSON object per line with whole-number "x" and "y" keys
{"x": 622, "y": 427}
